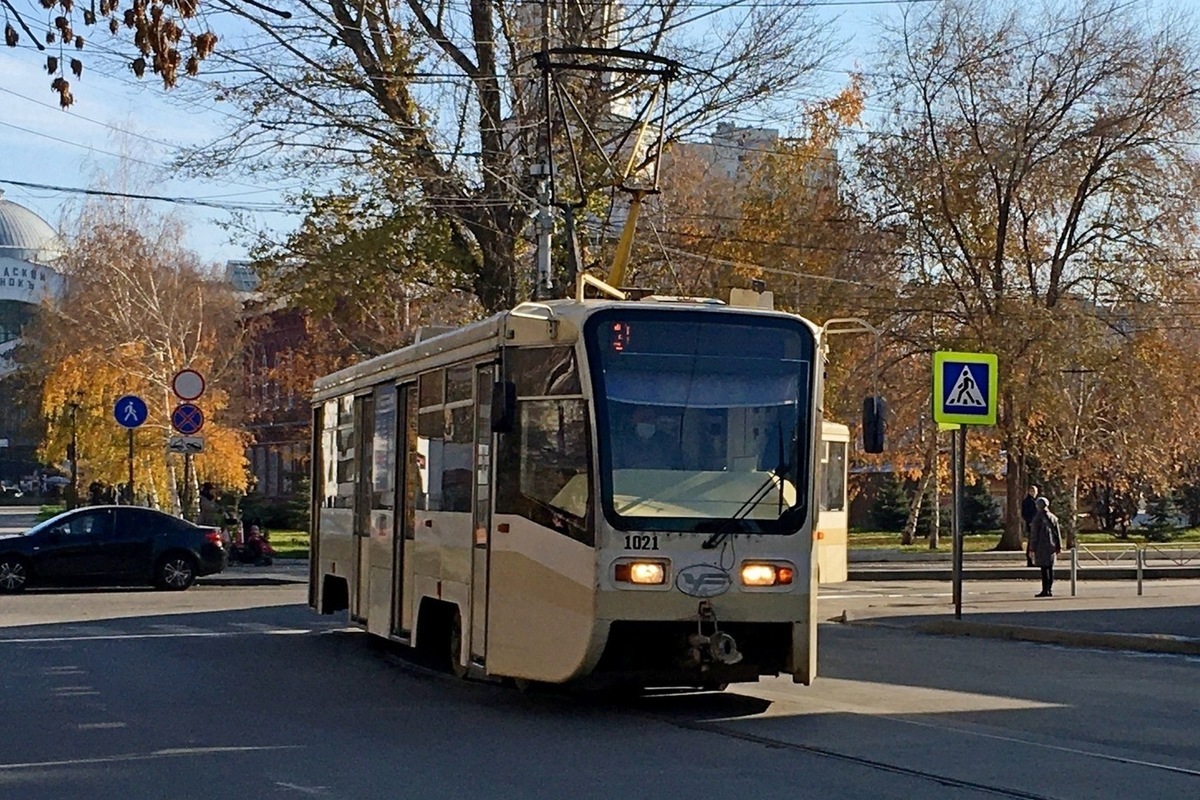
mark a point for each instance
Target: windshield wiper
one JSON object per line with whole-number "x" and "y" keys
{"x": 782, "y": 468}
{"x": 724, "y": 529}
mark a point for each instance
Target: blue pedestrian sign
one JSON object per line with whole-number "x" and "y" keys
{"x": 130, "y": 411}
{"x": 964, "y": 388}
{"x": 187, "y": 418}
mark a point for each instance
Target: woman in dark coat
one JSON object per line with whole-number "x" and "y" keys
{"x": 1045, "y": 542}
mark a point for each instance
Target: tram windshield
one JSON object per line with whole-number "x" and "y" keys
{"x": 702, "y": 417}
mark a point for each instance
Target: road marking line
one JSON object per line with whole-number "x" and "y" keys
{"x": 295, "y": 787}
{"x": 124, "y": 636}
{"x": 169, "y": 753}
{"x": 100, "y": 726}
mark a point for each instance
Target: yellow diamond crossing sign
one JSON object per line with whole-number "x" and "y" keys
{"x": 964, "y": 388}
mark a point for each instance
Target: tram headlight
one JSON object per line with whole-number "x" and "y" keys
{"x": 757, "y": 573}
{"x": 644, "y": 573}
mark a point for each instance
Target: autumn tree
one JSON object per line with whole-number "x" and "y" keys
{"x": 1038, "y": 162}
{"x": 137, "y": 308}
{"x": 448, "y": 96}
{"x": 367, "y": 272}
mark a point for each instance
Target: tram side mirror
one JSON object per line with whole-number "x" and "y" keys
{"x": 874, "y": 411}
{"x": 504, "y": 406}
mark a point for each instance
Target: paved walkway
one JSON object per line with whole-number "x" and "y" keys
{"x": 1107, "y": 614}
{"x": 17, "y": 519}
{"x": 284, "y": 570}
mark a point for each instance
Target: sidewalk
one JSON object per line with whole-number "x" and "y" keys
{"x": 1106, "y": 615}
{"x": 283, "y": 571}
{"x": 896, "y": 565}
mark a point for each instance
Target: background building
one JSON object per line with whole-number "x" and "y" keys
{"x": 276, "y": 409}
{"x": 28, "y": 247}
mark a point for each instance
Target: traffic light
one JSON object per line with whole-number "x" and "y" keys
{"x": 873, "y": 423}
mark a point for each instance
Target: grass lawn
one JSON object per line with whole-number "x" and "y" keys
{"x": 46, "y": 512}
{"x": 289, "y": 544}
{"x": 979, "y": 542}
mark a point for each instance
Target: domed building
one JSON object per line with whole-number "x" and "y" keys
{"x": 28, "y": 247}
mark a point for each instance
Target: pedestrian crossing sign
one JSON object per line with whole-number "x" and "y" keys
{"x": 964, "y": 388}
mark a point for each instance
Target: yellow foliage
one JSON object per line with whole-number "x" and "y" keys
{"x": 85, "y": 385}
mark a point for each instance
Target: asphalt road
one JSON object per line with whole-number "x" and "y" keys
{"x": 240, "y": 692}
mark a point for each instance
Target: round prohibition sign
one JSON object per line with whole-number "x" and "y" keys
{"x": 187, "y": 419}
{"x": 187, "y": 384}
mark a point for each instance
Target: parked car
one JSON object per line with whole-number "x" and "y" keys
{"x": 111, "y": 545}
{"x": 10, "y": 489}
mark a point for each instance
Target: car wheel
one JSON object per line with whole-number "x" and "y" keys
{"x": 14, "y": 574}
{"x": 175, "y": 573}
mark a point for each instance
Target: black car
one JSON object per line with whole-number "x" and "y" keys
{"x": 111, "y": 545}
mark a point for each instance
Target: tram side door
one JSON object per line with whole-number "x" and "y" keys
{"x": 481, "y": 519}
{"x": 364, "y": 426}
{"x": 408, "y": 487}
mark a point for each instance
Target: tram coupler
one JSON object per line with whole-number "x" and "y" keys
{"x": 713, "y": 647}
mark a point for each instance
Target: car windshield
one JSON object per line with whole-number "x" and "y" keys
{"x": 701, "y": 417}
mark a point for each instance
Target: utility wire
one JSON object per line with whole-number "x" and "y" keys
{"x": 185, "y": 201}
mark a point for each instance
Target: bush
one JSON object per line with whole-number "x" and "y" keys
{"x": 1162, "y": 512}
{"x": 925, "y": 520}
{"x": 890, "y": 511}
{"x": 287, "y": 512}
{"x": 980, "y": 512}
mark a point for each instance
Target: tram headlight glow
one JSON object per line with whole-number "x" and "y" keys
{"x": 761, "y": 574}
{"x": 644, "y": 573}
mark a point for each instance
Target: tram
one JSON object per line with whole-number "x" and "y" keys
{"x": 591, "y": 490}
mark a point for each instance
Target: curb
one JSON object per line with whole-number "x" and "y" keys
{"x": 1138, "y": 642}
{"x": 1135, "y": 642}
{"x": 249, "y": 580}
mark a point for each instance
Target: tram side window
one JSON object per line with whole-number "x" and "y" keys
{"x": 457, "y": 454}
{"x": 416, "y": 472}
{"x": 338, "y": 464}
{"x": 543, "y": 371}
{"x": 543, "y": 470}
{"x": 834, "y": 471}
{"x": 383, "y": 449}
{"x": 329, "y": 454}
{"x": 347, "y": 458}
{"x": 431, "y": 432}
{"x": 458, "y": 384}
{"x": 430, "y": 388}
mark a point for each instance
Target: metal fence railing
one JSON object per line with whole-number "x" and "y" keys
{"x": 1130, "y": 554}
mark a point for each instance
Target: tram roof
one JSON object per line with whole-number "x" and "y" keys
{"x": 479, "y": 338}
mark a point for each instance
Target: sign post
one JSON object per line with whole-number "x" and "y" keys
{"x": 130, "y": 412}
{"x": 964, "y": 394}
{"x": 187, "y": 419}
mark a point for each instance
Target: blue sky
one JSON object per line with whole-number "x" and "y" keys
{"x": 46, "y": 145}
{"x": 42, "y": 144}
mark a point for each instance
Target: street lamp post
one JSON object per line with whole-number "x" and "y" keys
{"x": 73, "y": 453}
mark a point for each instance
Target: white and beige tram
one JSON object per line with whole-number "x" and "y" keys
{"x": 605, "y": 490}
{"x": 833, "y": 520}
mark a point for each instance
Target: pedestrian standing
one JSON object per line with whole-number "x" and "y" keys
{"x": 1028, "y": 512}
{"x": 1045, "y": 543}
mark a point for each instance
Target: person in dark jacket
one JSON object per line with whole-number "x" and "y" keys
{"x": 1028, "y": 512}
{"x": 1045, "y": 542}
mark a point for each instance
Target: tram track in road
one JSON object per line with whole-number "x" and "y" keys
{"x": 628, "y": 706}
{"x": 875, "y": 764}
{"x": 637, "y": 707}
{"x": 759, "y": 692}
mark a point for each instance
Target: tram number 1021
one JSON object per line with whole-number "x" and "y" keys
{"x": 641, "y": 542}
